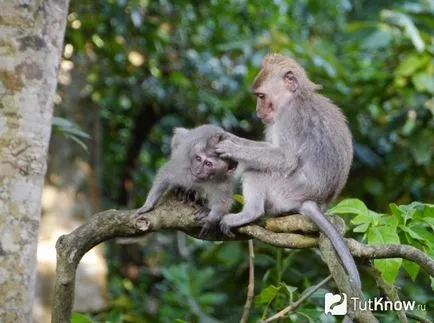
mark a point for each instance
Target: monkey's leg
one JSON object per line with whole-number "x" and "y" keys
{"x": 218, "y": 209}
{"x": 157, "y": 190}
{"x": 254, "y": 196}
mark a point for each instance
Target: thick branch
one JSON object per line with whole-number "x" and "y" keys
{"x": 173, "y": 215}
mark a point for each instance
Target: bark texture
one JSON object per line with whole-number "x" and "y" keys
{"x": 31, "y": 41}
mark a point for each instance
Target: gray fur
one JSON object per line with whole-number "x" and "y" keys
{"x": 305, "y": 159}
{"x": 176, "y": 172}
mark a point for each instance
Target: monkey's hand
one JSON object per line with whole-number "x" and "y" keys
{"x": 226, "y": 228}
{"x": 144, "y": 209}
{"x": 201, "y": 212}
{"x": 187, "y": 196}
{"x": 226, "y": 149}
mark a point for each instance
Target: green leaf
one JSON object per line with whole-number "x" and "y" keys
{"x": 238, "y": 198}
{"x": 396, "y": 210}
{"x": 389, "y": 268}
{"x": 404, "y": 212}
{"x": 212, "y": 298}
{"x": 422, "y": 231}
{"x": 390, "y": 221}
{"x": 423, "y": 81}
{"x": 421, "y": 147}
{"x": 361, "y": 219}
{"x": 267, "y": 295}
{"x": 404, "y": 21}
{"x": 412, "y": 233}
{"x": 70, "y": 130}
{"x": 430, "y": 222}
{"x": 178, "y": 78}
{"x": 411, "y": 64}
{"x": 290, "y": 289}
{"x": 362, "y": 228}
{"x": 65, "y": 125}
{"x": 80, "y": 318}
{"x": 385, "y": 235}
{"x": 349, "y": 206}
{"x": 378, "y": 39}
{"x": 411, "y": 268}
{"x": 382, "y": 235}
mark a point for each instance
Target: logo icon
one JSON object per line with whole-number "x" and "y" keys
{"x": 335, "y": 304}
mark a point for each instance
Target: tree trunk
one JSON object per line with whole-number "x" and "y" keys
{"x": 31, "y": 41}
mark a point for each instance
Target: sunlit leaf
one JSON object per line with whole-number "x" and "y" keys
{"x": 424, "y": 81}
{"x": 411, "y": 268}
{"x": 267, "y": 295}
{"x": 380, "y": 236}
{"x": 378, "y": 39}
{"x": 349, "y": 206}
{"x": 80, "y": 318}
{"x": 405, "y": 22}
{"x": 412, "y": 63}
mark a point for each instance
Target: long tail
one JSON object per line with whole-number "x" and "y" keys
{"x": 311, "y": 210}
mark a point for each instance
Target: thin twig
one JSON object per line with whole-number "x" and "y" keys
{"x": 302, "y": 298}
{"x": 251, "y": 286}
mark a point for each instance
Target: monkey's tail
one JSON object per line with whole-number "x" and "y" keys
{"x": 311, "y": 210}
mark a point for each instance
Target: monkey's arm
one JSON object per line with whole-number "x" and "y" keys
{"x": 219, "y": 204}
{"x": 266, "y": 157}
{"x": 245, "y": 142}
{"x": 159, "y": 186}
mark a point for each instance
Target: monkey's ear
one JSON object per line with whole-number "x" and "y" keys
{"x": 290, "y": 81}
{"x": 179, "y": 134}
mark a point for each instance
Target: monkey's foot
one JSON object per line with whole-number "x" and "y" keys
{"x": 207, "y": 226}
{"x": 226, "y": 229}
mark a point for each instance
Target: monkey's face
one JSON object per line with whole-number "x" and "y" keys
{"x": 274, "y": 88}
{"x": 208, "y": 167}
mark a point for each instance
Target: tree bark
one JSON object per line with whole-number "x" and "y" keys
{"x": 172, "y": 215}
{"x": 31, "y": 41}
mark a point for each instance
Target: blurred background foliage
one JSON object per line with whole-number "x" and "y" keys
{"x": 149, "y": 66}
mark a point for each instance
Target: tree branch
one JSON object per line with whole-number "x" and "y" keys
{"x": 172, "y": 215}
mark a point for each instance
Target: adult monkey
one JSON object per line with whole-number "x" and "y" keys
{"x": 303, "y": 163}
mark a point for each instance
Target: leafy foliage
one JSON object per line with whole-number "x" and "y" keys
{"x": 408, "y": 224}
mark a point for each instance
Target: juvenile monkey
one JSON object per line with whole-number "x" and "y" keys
{"x": 303, "y": 163}
{"x": 195, "y": 165}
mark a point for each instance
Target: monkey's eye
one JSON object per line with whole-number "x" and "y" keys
{"x": 260, "y": 96}
{"x": 198, "y": 158}
{"x": 208, "y": 164}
